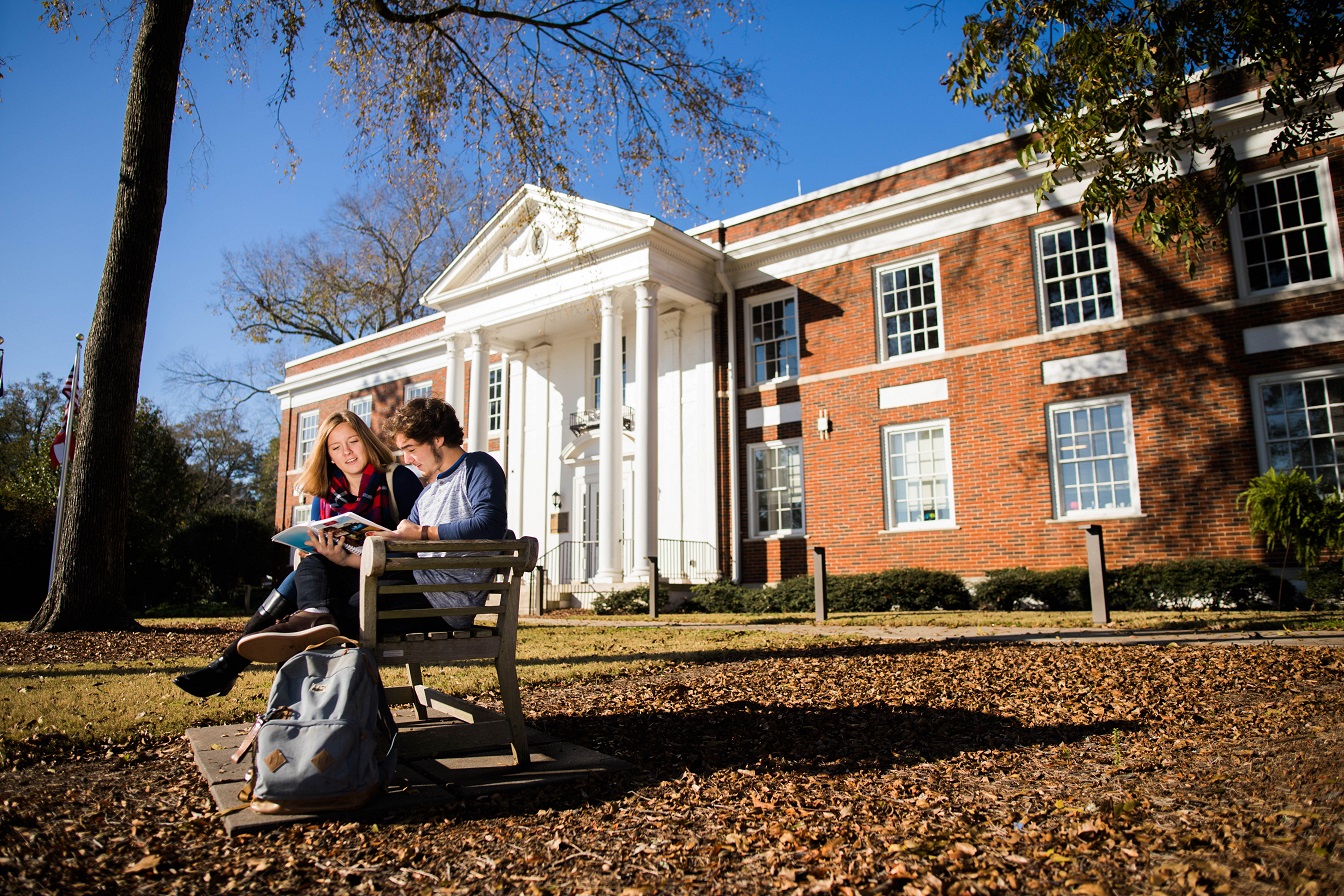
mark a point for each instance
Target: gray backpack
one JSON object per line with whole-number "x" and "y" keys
{"x": 327, "y": 740}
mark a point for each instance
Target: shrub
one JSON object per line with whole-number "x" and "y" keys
{"x": 630, "y": 602}
{"x": 721, "y": 596}
{"x": 912, "y": 588}
{"x": 1020, "y": 588}
{"x": 1197, "y": 583}
{"x": 1325, "y": 586}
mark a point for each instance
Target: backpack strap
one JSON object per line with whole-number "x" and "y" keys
{"x": 392, "y": 490}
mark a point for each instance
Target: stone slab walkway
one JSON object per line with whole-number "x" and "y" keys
{"x": 430, "y": 772}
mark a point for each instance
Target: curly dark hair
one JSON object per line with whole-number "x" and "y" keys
{"x": 421, "y": 419}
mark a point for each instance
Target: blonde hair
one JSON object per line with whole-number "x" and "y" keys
{"x": 316, "y": 476}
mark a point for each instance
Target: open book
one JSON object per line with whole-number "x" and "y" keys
{"x": 353, "y": 526}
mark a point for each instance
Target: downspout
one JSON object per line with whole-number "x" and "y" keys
{"x": 730, "y": 301}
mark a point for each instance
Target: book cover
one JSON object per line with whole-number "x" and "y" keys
{"x": 353, "y": 526}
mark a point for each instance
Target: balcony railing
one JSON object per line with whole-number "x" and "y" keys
{"x": 678, "y": 561}
{"x": 581, "y": 422}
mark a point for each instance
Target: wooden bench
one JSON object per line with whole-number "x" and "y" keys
{"x": 497, "y": 642}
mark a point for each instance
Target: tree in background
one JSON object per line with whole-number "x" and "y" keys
{"x": 1116, "y": 91}
{"x": 523, "y": 92}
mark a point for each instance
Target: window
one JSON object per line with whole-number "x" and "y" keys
{"x": 774, "y": 339}
{"x": 1075, "y": 275}
{"x": 495, "y": 390}
{"x": 908, "y": 308}
{"x": 307, "y": 436}
{"x": 1300, "y": 421}
{"x": 419, "y": 390}
{"x": 362, "y": 407}
{"x": 1284, "y": 231}
{"x": 597, "y": 374}
{"x": 1092, "y": 458}
{"x": 919, "y": 475}
{"x": 302, "y": 513}
{"x": 777, "y": 488}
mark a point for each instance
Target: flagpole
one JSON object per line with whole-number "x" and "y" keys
{"x": 69, "y": 455}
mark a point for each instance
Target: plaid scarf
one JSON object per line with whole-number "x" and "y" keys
{"x": 374, "y": 504}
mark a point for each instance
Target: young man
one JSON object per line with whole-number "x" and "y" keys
{"x": 465, "y": 499}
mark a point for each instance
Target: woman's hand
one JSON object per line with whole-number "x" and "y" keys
{"x": 331, "y": 545}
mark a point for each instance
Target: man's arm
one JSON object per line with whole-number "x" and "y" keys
{"x": 486, "y": 492}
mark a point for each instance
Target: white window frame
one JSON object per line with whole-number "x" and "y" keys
{"x": 753, "y": 509}
{"x": 1042, "y": 287}
{"x": 494, "y": 390}
{"x": 1261, "y": 424}
{"x": 303, "y": 447}
{"x": 1330, "y": 219}
{"x": 362, "y": 407}
{"x": 424, "y": 389}
{"x": 749, "y": 306}
{"x": 302, "y": 513}
{"x": 879, "y": 306}
{"x": 1056, "y": 479}
{"x": 888, "y": 497}
{"x": 595, "y": 381}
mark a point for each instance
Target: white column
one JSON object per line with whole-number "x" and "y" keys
{"x": 478, "y": 424}
{"x": 610, "y": 563}
{"x": 646, "y": 427}
{"x": 452, "y": 373}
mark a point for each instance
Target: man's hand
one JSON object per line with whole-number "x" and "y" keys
{"x": 405, "y": 531}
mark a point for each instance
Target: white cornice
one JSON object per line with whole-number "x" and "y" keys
{"x": 366, "y": 370}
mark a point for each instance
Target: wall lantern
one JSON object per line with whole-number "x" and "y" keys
{"x": 555, "y": 500}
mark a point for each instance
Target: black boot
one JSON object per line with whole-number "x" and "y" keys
{"x": 216, "y": 679}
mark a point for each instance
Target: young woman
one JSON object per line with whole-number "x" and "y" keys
{"x": 353, "y": 472}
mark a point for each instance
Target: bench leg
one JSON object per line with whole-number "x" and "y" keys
{"x": 513, "y": 709}
{"x": 418, "y": 685}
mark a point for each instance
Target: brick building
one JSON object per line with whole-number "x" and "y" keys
{"x": 920, "y": 367}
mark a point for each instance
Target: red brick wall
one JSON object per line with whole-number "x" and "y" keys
{"x": 1187, "y": 382}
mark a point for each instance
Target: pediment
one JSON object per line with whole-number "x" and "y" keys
{"x": 534, "y": 230}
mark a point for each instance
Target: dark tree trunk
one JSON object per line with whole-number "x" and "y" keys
{"x": 88, "y": 593}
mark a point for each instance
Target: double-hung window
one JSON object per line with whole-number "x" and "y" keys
{"x": 1284, "y": 231}
{"x": 362, "y": 407}
{"x": 1092, "y": 458}
{"x": 419, "y": 390}
{"x": 495, "y": 397}
{"x": 597, "y": 374}
{"x": 919, "y": 475}
{"x": 773, "y": 331}
{"x": 1300, "y": 422}
{"x": 1075, "y": 273}
{"x": 777, "y": 488}
{"x": 908, "y": 308}
{"x": 307, "y": 437}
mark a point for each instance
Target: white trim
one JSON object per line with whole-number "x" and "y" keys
{"x": 426, "y": 385}
{"x": 1038, "y": 264}
{"x": 1084, "y": 367}
{"x": 775, "y": 414}
{"x": 905, "y": 264}
{"x": 754, "y": 529}
{"x": 921, "y": 525}
{"x": 925, "y": 392}
{"x": 1131, "y": 451}
{"x": 1329, "y": 218}
{"x": 748, "y": 305}
{"x": 399, "y": 328}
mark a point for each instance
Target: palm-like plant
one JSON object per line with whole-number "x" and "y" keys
{"x": 1304, "y": 516}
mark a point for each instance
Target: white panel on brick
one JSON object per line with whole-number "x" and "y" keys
{"x": 792, "y": 412}
{"x": 1299, "y": 333}
{"x": 1084, "y": 367}
{"x": 912, "y": 393}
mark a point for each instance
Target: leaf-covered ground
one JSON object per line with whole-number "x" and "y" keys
{"x": 877, "y": 768}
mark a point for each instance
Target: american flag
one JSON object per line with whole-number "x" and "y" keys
{"x": 70, "y": 387}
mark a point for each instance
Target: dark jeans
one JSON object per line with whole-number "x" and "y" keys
{"x": 324, "y": 586}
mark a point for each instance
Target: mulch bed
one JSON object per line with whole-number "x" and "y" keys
{"x": 876, "y": 768}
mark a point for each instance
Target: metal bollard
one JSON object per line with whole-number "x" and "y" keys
{"x": 1096, "y": 574}
{"x": 539, "y": 589}
{"x": 819, "y": 581}
{"x": 653, "y": 587}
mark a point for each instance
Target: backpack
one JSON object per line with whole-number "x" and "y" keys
{"x": 327, "y": 739}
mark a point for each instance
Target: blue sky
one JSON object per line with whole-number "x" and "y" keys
{"x": 854, "y": 90}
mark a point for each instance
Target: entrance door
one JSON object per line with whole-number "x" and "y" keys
{"x": 591, "y": 504}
